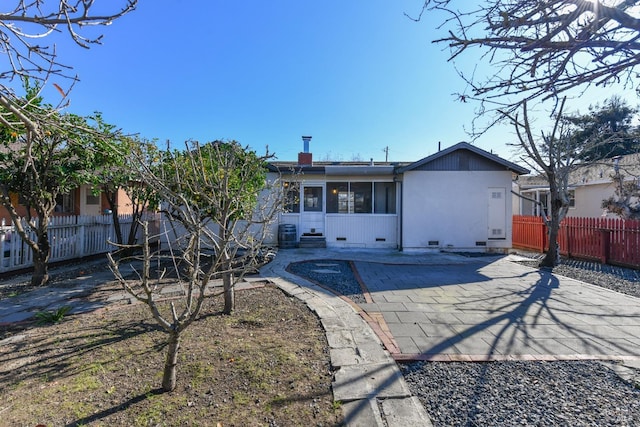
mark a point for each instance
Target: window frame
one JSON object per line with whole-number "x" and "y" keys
{"x": 358, "y": 197}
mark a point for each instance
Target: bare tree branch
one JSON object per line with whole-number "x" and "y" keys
{"x": 542, "y": 49}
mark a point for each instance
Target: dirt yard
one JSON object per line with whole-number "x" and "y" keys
{"x": 265, "y": 365}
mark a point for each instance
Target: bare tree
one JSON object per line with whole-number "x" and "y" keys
{"x": 25, "y": 28}
{"x": 27, "y": 23}
{"x": 219, "y": 206}
{"x": 553, "y": 155}
{"x": 541, "y": 49}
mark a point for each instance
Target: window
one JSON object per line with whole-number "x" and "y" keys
{"x": 65, "y": 203}
{"x": 385, "y": 197}
{"x": 291, "y": 197}
{"x": 338, "y": 197}
{"x": 92, "y": 200}
{"x": 361, "y": 197}
{"x": 313, "y": 199}
{"x": 572, "y": 198}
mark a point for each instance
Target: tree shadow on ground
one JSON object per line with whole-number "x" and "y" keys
{"x": 115, "y": 409}
{"x": 509, "y": 309}
{"x": 57, "y": 351}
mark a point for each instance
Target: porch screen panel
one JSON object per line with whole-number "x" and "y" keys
{"x": 362, "y": 197}
{"x": 338, "y": 197}
{"x": 385, "y": 197}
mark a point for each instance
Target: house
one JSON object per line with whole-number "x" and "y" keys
{"x": 458, "y": 198}
{"x": 80, "y": 201}
{"x": 589, "y": 185}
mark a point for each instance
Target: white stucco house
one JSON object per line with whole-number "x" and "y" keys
{"x": 457, "y": 199}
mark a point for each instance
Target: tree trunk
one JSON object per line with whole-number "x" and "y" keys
{"x": 40, "y": 274}
{"x": 136, "y": 217}
{"x": 170, "y": 365}
{"x": 41, "y": 257}
{"x": 552, "y": 256}
{"x": 113, "y": 206}
{"x": 229, "y": 296}
{"x": 116, "y": 226}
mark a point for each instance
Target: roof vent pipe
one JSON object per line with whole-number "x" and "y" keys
{"x": 306, "y": 140}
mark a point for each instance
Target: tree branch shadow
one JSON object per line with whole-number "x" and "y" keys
{"x": 114, "y": 409}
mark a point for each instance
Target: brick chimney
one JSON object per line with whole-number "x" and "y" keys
{"x": 305, "y": 158}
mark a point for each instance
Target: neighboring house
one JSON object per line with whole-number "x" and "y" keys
{"x": 80, "y": 201}
{"x": 588, "y": 187}
{"x": 458, "y": 198}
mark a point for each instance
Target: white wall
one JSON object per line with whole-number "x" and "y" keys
{"x": 589, "y": 200}
{"x": 452, "y": 208}
{"x": 92, "y": 209}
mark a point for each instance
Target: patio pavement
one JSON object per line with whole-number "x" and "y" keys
{"x": 496, "y": 309}
{"x": 446, "y": 307}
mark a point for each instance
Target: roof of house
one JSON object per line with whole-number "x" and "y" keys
{"x": 486, "y": 156}
{"x": 337, "y": 168}
{"x": 373, "y": 168}
{"x": 602, "y": 171}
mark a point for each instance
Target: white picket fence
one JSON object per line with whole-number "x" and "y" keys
{"x": 70, "y": 237}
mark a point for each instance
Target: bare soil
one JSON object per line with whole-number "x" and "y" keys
{"x": 265, "y": 365}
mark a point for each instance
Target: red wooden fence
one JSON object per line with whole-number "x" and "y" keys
{"x": 608, "y": 240}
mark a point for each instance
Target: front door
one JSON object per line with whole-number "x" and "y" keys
{"x": 312, "y": 212}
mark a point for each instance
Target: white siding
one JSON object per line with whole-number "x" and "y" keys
{"x": 362, "y": 231}
{"x": 589, "y": 200}
{"x": 451, "y": 208}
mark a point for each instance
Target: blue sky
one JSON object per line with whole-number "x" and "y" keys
{"x": 358, "y": 76}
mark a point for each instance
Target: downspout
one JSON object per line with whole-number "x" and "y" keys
{"x": 399, "y": 210}
{"x": 401, "y": 216}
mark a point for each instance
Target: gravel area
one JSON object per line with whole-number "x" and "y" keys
{"x": 523, "y": 394}
{"x": 332, "y": 274}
